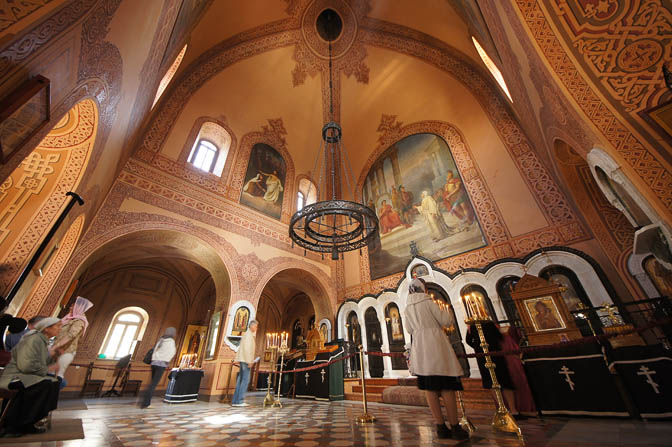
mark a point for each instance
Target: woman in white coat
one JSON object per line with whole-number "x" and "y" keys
{"x": 432, "y": 358}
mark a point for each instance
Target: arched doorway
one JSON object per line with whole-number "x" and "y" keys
{"x": 611, "y": 228}
{"x": 34, "y": 193}
{"x": 374, "y": 340}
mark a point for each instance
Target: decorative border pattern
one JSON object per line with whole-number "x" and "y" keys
{"x": 68, "y": 243}
{"x": 644, "y": 163}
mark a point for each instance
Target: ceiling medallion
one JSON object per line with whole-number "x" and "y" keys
{"x": 337, "y": 225}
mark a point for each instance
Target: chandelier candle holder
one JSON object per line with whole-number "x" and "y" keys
{"x": 336, "y": 225}
{"x": 477, "y": 315}
{"x": 274, "y": 341}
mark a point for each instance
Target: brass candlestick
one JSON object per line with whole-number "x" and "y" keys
{"x": 283, "y": 349}
{"x": 502, "y": 420}
{"x": 366, "y": 418}
{"x": 269, "y": 399}
{"x": 465, "y": 423}
{"x": 477, "y": 315}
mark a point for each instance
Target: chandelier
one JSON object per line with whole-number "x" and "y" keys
{"x": 336, "y": 225}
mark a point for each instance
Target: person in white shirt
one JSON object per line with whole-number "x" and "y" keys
{"x": 164, "y": 351}
{"x": 245, "y": 357}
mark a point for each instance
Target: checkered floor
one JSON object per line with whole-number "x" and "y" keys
{"x": 113, "y": 422}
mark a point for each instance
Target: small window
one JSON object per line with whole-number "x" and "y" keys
{"x": 300, "y": 201}
{"x": 489, "y": 63}
{"x": 126, "y": 329}
{"x": 204, "y": 155}
{"x": 169, "y": 75}
{"x": 306, "y": 195}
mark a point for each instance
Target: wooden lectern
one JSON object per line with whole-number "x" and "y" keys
{"x": 543, "y": 312}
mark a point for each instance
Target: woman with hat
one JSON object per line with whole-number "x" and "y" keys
{"x": 432, "y": 358}
{"x": 26, "y": 372}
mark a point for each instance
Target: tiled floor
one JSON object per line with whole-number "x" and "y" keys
{"x": 116, "y": 422}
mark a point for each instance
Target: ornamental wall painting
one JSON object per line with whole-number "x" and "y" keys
{"x": 264, "y": 181}
{"x": 420, "y": 199}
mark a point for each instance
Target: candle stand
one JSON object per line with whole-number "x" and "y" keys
{"x": 464, "y": 422}
{"x": 269, "y": 399}
{"x": 366, "y": 418}
{"x": 477, "y": 315}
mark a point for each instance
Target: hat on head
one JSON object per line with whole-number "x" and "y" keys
{"x": 17, "y": 325}
{"x": 46, "y": 322}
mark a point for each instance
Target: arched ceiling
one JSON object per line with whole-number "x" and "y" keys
{"x": 284, "y": 74}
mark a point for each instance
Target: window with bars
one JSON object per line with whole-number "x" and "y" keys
{"x": 123, "y": 334}
{"x": 204, "y": 155}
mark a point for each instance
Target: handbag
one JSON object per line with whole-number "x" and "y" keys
{"x": 148, "y": 357}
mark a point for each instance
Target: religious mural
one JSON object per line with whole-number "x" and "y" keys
{"x": 660, "y": 276}
{"x": 419, "y": 197}
{"x": 193, "y": 339}
{"x": 240, "y": 321}
{"x": 264, "y": 181}
{"x": 544, "y": 314}
{"x": 324, "y": 331}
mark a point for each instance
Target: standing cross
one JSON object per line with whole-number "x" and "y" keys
{"x": 645, "y": 371}
{"x": 323, "y": 373}
{"x": 567, "y": 372}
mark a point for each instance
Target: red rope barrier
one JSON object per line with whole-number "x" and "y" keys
{"x": 310, "y": 368}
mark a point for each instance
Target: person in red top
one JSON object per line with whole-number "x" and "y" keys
{"x": 389, "y": 219}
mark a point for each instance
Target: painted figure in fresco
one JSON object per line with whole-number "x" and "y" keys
{"x": 407, "y": 210}
{"x": 240, "y": 321}
{"x": 194, "y": 343}
{"x": 455, "y": 198}
{"x": 432, "y": 215}
{"x": 255, "y": 186}
{"x": 355, "y": 330}
{"x": 273, "y": 187}
{"x": 395, "y": 322}
{"x": 389, "y": 219}
{"x": 569, "y": 296}
{"x": 544, "y": 317}
{"x": 661, "y": 277}
{"x": 324, "y": 332}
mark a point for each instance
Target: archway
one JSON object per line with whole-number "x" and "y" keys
{"x": 34, "y": 193}
{"x": 610, "y": 227}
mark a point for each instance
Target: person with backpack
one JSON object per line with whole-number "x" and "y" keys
{"x": 161, "y": 356}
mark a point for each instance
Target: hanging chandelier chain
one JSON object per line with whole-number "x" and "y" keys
{"x": 333, "y": 226}
{"x": 331, "y": 88}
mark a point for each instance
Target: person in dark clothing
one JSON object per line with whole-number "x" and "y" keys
{"x": 17, "y": 329}
{"x": 27, "y": 373}
{"x": 494, "y": 338}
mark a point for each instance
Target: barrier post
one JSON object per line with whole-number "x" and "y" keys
{"x": 366, "y": 418}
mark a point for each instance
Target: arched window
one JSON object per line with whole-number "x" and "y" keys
{"x": 210, "y": 148}
{"x": 492, "y": 67}
{"x": 306, "y": 195}
{"x": 203, "y": 155}
{"x": 483, "y": 295}
{"x": 573, "y": 296}
{"x": 169, "y": 75}
{"x": 504, "y": 288}
{"x": 127, "y": 327}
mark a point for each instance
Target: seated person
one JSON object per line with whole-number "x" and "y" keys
{"x": 27, "y": 373}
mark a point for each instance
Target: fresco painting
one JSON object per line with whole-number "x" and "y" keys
{"x": 264, "y": 183}
{"x": 420, "y": 199}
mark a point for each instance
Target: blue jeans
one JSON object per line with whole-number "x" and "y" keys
{"x": 241, "y": 384}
